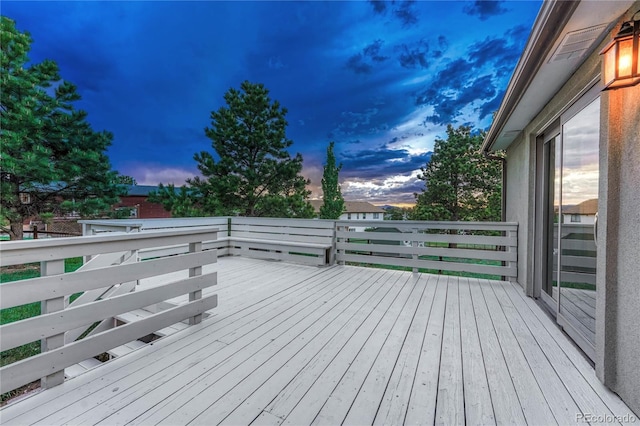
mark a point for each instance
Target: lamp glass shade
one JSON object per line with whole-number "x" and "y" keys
{"x": 625, "y": 58}
{"x": 609, "y": 64}
{"x": 637, "y": 37}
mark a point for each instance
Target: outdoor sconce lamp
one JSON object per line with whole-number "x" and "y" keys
{"x": 621, "y": 66}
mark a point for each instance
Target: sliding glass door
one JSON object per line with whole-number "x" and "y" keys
{"x": 569, "y": 219}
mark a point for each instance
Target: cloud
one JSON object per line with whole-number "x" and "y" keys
{"x": 357, "y": 64}
{"x": 377, "y": 191}
{"x": 485, "y": 9}
{"x": 379, "y": 6}
{"x": 373, "y": 51}
{"x": 381, "y": 162}
{"x": 447, "y": 107}
{"x": 362, "y": 63}
{"x": 406, "y": 14}
{"x": 488, "y": 108}
{"x": 146, "y": 174}
{"x": 472, "y": 80}
{"x": 353, "y": 120}
{"x": 275, "y": 63}
{"x": 443, "y": 44}
{"x": 413, "y": 58}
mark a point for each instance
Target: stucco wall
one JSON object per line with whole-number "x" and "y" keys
{"x": 618, "y": 304}
{"x": 519, "y": 203}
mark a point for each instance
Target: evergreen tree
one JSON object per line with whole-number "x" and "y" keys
{"x": 461, "y": 184}
{"x": 397, "y": 213}
{"x": 51, "y": 161}
{"x": 332, "y": 201}
{"x": 124, "y": 180}
{"x": 255, "y": 174}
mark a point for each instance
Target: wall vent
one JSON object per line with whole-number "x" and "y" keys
{"x": 576, "y": 43}
{"x": 510, "y": 133}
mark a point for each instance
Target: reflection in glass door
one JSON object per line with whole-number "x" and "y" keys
{"x": 570, "y": 215}
{"x": 578, "y": 212}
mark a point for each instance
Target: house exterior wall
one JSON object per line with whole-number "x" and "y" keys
{"x": 146, "y": 210}
{"x": 361, "y": 216}
{"x": 583, "y": 219}
{"x": 519, "y": 194}
{"x": 355, "y": 217}
{"x": 618, "y": 273}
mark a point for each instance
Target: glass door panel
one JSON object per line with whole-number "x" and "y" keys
{"x": 578, "y": 189}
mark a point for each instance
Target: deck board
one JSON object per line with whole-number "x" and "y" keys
{"x": 478, "y": 406}
{"x": 530, "y": 395}
{"x": 300, "y": 344}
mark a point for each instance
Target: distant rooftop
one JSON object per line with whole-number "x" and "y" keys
{"x": 585, "y": 207}
{"x": 351, "y": 207}
{"x": 140, "y": 190}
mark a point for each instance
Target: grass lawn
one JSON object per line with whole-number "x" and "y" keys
{"x": 17, "y": 313}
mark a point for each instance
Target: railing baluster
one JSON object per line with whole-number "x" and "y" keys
{"x": 193, "y": 272}
{"x": 52, "y": 267}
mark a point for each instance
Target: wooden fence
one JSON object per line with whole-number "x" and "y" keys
{"x": 54, "y": 287}
{"x": 475, "y": 247}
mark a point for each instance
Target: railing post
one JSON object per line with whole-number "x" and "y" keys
{"x": 193, "y": 272}
{"x": 52, "y": 267}
{"x": 337, "y": 229}
{"x": 511, "y": 249}
{"x": 414, "y": 244}
{"x": 333, "y": 251}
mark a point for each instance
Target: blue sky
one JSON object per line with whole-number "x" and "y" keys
{"x": 381, "y": 79}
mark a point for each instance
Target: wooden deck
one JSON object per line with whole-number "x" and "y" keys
{"x": 300, "y": 344}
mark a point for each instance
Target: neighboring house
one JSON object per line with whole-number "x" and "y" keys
{"x": 583, "y": 213}
{"x": 355, "y": 210}
{"x": 568, "y": 142}
{"x": 141, "y": 208}
{"x": 135, "y": 200}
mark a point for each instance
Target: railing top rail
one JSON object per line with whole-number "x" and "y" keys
{"x": 428, "y": 224}
{"x": 20, "y": 252}
{"x": 292, "y": 222}
{"x": 158, "y": 223}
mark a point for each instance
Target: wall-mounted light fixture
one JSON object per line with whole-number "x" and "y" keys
{"x": 620, "y": 65}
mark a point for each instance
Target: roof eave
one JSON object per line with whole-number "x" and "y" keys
{"x": 547, "y": 28}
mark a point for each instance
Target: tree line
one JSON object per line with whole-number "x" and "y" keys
{"x": 52, "y": 161}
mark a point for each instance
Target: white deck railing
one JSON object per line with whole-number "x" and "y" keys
{"x": 54, "y": 288}
{"x": 486, "y": 248}
{"x": 306, "y": 241}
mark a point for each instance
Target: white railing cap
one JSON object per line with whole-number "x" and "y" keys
{"x": 27, "y": 251}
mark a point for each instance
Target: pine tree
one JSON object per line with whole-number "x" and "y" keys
{"x": 460, "y": 183}
{"x": 255, "y": 174}
{"x": 333, "y": 203}
{"x": 51, "y": 161}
